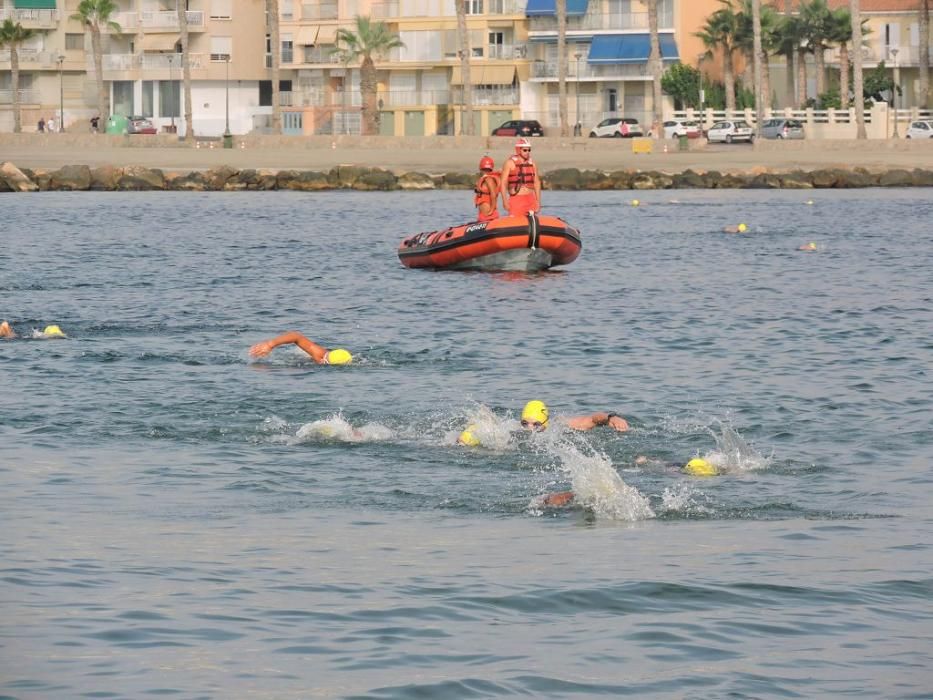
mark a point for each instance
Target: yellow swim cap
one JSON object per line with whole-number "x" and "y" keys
{"x": 700, "y": 467}
{"x": 742, "y": 228}
{"x": 635, "y": 202}
{"x": 468, "y": 438}
{"x": 535, "y": 412}
{"x": 338, "y": 356}
{"x": 54, "y": 331}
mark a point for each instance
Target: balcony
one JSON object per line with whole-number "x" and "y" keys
{"x": 319, "y": 11}
{"x": 156, "y": 21}
{"x": 507, "y": 52}
{"x": 147, "y": 61}
{"x": 601, "y": 20}
{"x": 320, "y": 55}
{"x": 31, "y": 19}
{"x": 384, "y": 10}
{"x": 31, "y": 59}
{"x": 581, "y": 70}
{"x": 505, "y": 7}
{"x": 488, "y": 96}
{"x": 25, "y": 97}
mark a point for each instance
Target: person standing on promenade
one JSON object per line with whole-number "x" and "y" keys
{"x": 319, "y": 354}
{"x": 521, "y": 186}
{"x": 41, "y": 125}
{"x": 486, "y": 190}
{"x": 50, "y": 125}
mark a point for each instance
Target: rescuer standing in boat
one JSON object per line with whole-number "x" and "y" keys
{"x": 521, "y": 186}
{"x": 486, "y": 188}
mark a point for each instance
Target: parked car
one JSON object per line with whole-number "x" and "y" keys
{"x": 738, "y": 130}
{"x": 139, "y": 125}
{"x": 519, "y": 127}
{"x": 617, "y": 127}
{"x": 680, "y": 127}
{"x": 922, "y": 129}
{"x": 782, "y": 129}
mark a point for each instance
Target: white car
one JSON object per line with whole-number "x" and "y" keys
{"x": 738, "y": 130}
{"x": 617, "y": 127}
{"x": 680, "y": 127}
{"x": 922, "y": 129}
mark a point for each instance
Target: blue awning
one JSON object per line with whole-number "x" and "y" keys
{"x": 540, "y": 8}
{"x": 629, "y": 48}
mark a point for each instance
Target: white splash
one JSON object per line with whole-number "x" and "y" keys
{"x": 733, "y": 454}
{"x": 493, "y": 432}
{"x": 338, "y": 429}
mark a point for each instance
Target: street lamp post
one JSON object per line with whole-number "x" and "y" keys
{"x": 897, "y": 80}
{"x": 61, "y": 93}
{"x": 228, "y": 137}
{"x": 577, "y": 129}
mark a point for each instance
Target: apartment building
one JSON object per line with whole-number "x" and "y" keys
{"x": 141, "y": 64}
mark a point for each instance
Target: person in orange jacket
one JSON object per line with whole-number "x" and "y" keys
{"x": 486, "y": 188}
{"x": 520, "y": 184}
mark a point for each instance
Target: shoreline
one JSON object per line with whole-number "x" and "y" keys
{"x": 109, "y": 162}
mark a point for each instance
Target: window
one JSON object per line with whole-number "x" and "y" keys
{"x": 420, "y": 46}
{"x": 222, "y": 9}
{"x": 288, "y": 48}
{"x": 74, "y": 42}
{"x": 221, "y": 48}
{"x": 169, "y": 98}
{"x": 474, "y": 7}
{"x": 265, "y": 91}
{"x": 148, "y": 90}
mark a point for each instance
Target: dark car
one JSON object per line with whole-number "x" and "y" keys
{"x": 519, "y": 127}
{"x": 139, "y": 125}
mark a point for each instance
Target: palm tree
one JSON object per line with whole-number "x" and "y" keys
{"x": 94, "y": 14}
{"x": 466, "y": 118}
{"x": 924, "y": 26}
{"x": 817, "y": 18}
{"x": 13, "y": 35}
{"x": 560, "y": 8}
{"x": 785, "y": 39}
{"x": 746, "y": 42}
{"x": 370, "y": 39}
{"x": 758, "y": 60}
{"x": 654, "y": 65}
{"x": 840, "y": 32}
{"x": 858, "y": 82}
{"x": 720, "y": 32}
{"x": 181, "y": 7}
{"x": 272, "y": 18}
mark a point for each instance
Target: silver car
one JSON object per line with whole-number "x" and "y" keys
{"x": 922, "y": 129}
{"x": 729, "y": 131}
{"x": 782, "y": 129}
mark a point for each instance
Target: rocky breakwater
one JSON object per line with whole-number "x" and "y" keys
{"x": 136, "y": 178}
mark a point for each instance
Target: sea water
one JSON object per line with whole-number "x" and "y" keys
{"x": 178, "y": 520}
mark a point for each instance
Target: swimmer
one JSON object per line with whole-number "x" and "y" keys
{"x": 695, "y": 467}
{"x": 319, "y": 354}
{"x": 740, "y": 228}
{"x": 811, "y": 246}
{"x": 536, "y": 417}
{"x": 51, "y": 332}
{"x": 6, "y": 330}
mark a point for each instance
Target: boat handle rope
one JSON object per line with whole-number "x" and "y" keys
{"x": 532, "y": 230}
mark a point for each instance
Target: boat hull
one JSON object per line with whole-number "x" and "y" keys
{"x": 527, "y": 243}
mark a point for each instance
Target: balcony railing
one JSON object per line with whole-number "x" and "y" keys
{"x": 506, "y": 51}
{"x": 504, "y": 7}
{"x": 156, "y": 20}
{"x": 384, "y": 10}
{"x": 31, "y": 19}
{"x": 600, "y": 20}
{"x": 32, "y": 58}
{"x": 319, "y": 11}
{"x": 25, "y": 96}
{"x": 319, "y": 54}
{"x": 579, "y": 69}
{"x": 485, "y": 96}
{"x": 146, "y": 61}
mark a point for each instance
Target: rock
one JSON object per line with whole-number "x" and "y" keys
{"x": 621, "y": 179}
{"x": 823, "y": 179}
{"x": 643, "y": 181}
{"x": 896, "y": 178}
{"x": 765, "y": 181}
{"x": 458, "y": 181}
{"x": 42, "y": 178}
{"x": 562, "y": 179}
{"x": 252, "y": 179}
{"x": 304, "y": 181}
{"x": 346, "y": 175}
{"x": 922, "y": 178}
{"x": 857, "y": 179}
{"x": 186, "y": 182}
{"x": 415, "y": 181}
{"x": 595, "y": 180}
{"x": 217, "y": 178}
{"x": 796, "y": 180}
{"x": 138, "y": 178}
{"x": 71, "y": 178}
{"x": 377, "y": 179}
{"x": 688, "y": 180}
{"x": 12, "y": 179}
{"x": 105, "y": 178}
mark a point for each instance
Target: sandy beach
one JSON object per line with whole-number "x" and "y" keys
{"x": 435, "y": 155}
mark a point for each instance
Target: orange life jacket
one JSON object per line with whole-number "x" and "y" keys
{"x": 488, "y": 195}
{"x": 522, "y": 175}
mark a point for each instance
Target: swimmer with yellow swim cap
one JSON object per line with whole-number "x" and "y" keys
{"x": 700, "y": 467}
{"x": 319, "y": 354}
{"x": 740, "y": 228}
{"x": 808, "y": 246}
{"x": 536, "y": 417}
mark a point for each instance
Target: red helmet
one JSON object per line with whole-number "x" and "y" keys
{"x": 487, "y": 163}
{"x": 522, "y": 143}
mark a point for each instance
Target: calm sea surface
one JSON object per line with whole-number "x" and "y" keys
{"x": 180, "y": 521}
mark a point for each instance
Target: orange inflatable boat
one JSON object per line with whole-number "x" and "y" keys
{"x": 528, "y": 243}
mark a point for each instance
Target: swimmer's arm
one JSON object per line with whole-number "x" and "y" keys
{"x": 557, "y": 500}
{"x": 263, "y": 348}
{"x": 602, "y": 418}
